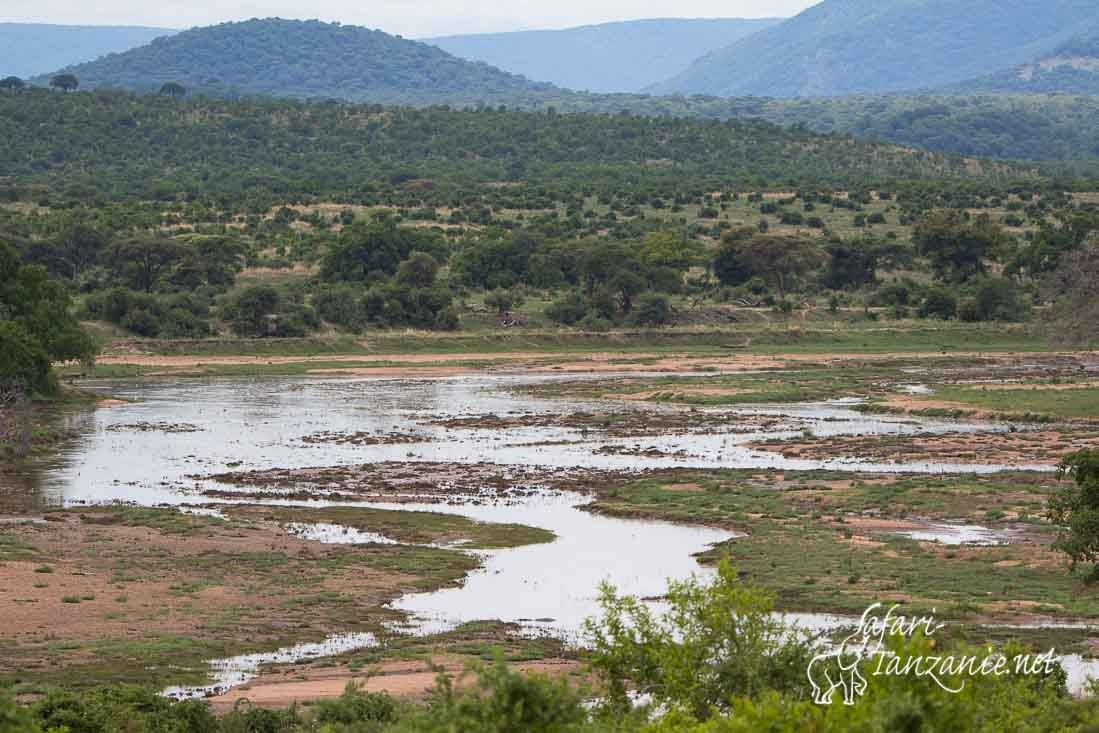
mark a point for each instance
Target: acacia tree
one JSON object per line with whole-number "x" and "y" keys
{"x": 142, "y": 261}
{"x": 957, "y": 248}
{"x": 780, "y": 260}
{"x": 65, "y": 82}
{"x": 12, "y": 83}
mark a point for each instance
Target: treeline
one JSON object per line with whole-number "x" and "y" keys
{"x": 102, "y": 147}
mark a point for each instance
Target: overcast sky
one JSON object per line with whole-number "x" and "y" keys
{"x": 412, "y": 18}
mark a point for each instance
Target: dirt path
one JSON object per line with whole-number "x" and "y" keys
{"x": 446, "y": 364}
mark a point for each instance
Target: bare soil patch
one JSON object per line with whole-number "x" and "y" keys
{"x": 1046, "y": 447}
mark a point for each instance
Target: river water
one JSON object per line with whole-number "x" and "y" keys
{"x": 148, "y": 451}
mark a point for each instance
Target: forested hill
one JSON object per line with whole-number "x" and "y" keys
{"x": 609, "y": 57}
{"x": 1072, "y": 68}
{"x": 310, "y": 59}
{"x": 28, "y": 49}
{"x": 1054, "y": 127}
{"x": 857, "y": 46}
{"x": 115, "y": 146}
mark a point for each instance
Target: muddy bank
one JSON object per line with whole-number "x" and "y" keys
{"x": 401, "y": 482}
{"x": 149, "y": 595}
{"x": 1046, "y": 446}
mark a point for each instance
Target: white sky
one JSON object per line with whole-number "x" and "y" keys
{"x": 411, "y": 18}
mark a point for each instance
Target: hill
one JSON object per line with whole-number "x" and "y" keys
{"x": 1072, "y": 68}
{"x": 1001, "y": 126}
{"x": 309, "y": 59}
{"x": 115, "y": 146}
{"x": 609, "y": 57}
{"x": 29, "y": 49}
{"x": 844, "y": 47}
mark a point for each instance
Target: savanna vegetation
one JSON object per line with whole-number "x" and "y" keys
{"x": 716, "y": 660}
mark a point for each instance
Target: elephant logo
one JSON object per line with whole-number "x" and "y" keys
{"x": 839, "y": 668}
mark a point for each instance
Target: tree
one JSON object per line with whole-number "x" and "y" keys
{"x": 38, "y": 328}
{"x": 65, "y": 82}
{"x": 996, "y": 299}
{"x": 652, "y": 310}
{"x": 780, "y": 259}
{"x": 729, "y": 267}
{"x": 144, "y": 260}
{"x": 367, "y": 251}
{"x": 850, "y": 265}
{"x": 77, "y": 248}
{"x": 957, "y": 248}
{"x": 939, "y": 303}
{"x": 12, "y": 83}
{"x": 1075, "y": 508}
{"x": 1074, "y": 292}
{"x": 173, "y": 89}
{"x": 504, "y": 300}
{"x": 418, "y": 271}
{"x": 666, "y": 249}
{"x": 249, "y": 312}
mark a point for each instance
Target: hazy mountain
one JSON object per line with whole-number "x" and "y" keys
{"x": 28, "y": 49}
{"x": 1071, "y": 68}
{"x": 610, "y": 57}
{"x": 853, "y": 46}
{"x": 291, "y": 58}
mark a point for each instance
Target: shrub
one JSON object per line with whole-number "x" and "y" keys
{"x": 999, "y": 299}
{"x": 939, "y": 303}
{"x": 681, "y": 658}
{"x": 652, "y": 310}
{"x": 567, "y": 310}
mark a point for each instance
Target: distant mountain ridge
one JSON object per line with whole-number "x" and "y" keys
{"x": 306, "y": 59}
{"x": 841, "y": 47}
{"x": 29, "y": 49}
{"x": 625, "y": 56}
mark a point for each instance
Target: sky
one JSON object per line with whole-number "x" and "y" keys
{"x": 411, "y": 18}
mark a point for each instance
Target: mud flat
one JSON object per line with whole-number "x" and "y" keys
{"x": 509, "y": 499}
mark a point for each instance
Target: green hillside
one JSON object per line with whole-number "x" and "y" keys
{"x": 118, "y": 146}
{"x": 867, "y": 46}
{"x": 609, "y": 57}
{"x": 28, "y": 49}
{"x": 290, "y": 58}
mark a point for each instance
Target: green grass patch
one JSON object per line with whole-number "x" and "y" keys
{"x": 418, "y": 528}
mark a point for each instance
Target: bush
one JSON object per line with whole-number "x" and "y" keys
{"x": 595, "y": 322}
{"x": 502, "y": 701}
{"x": 652, "y": 310}
{"x": 356, "y": 706}
{"x": 686, "y": 665}
{"x": 567, "y": 310}
{"x": 342, "y": 305}
{"x": 249, "y": 312}
{"x": 997, "y": 299}
{"x": 939, "y": 303}
{"x": 23, "y": 361}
